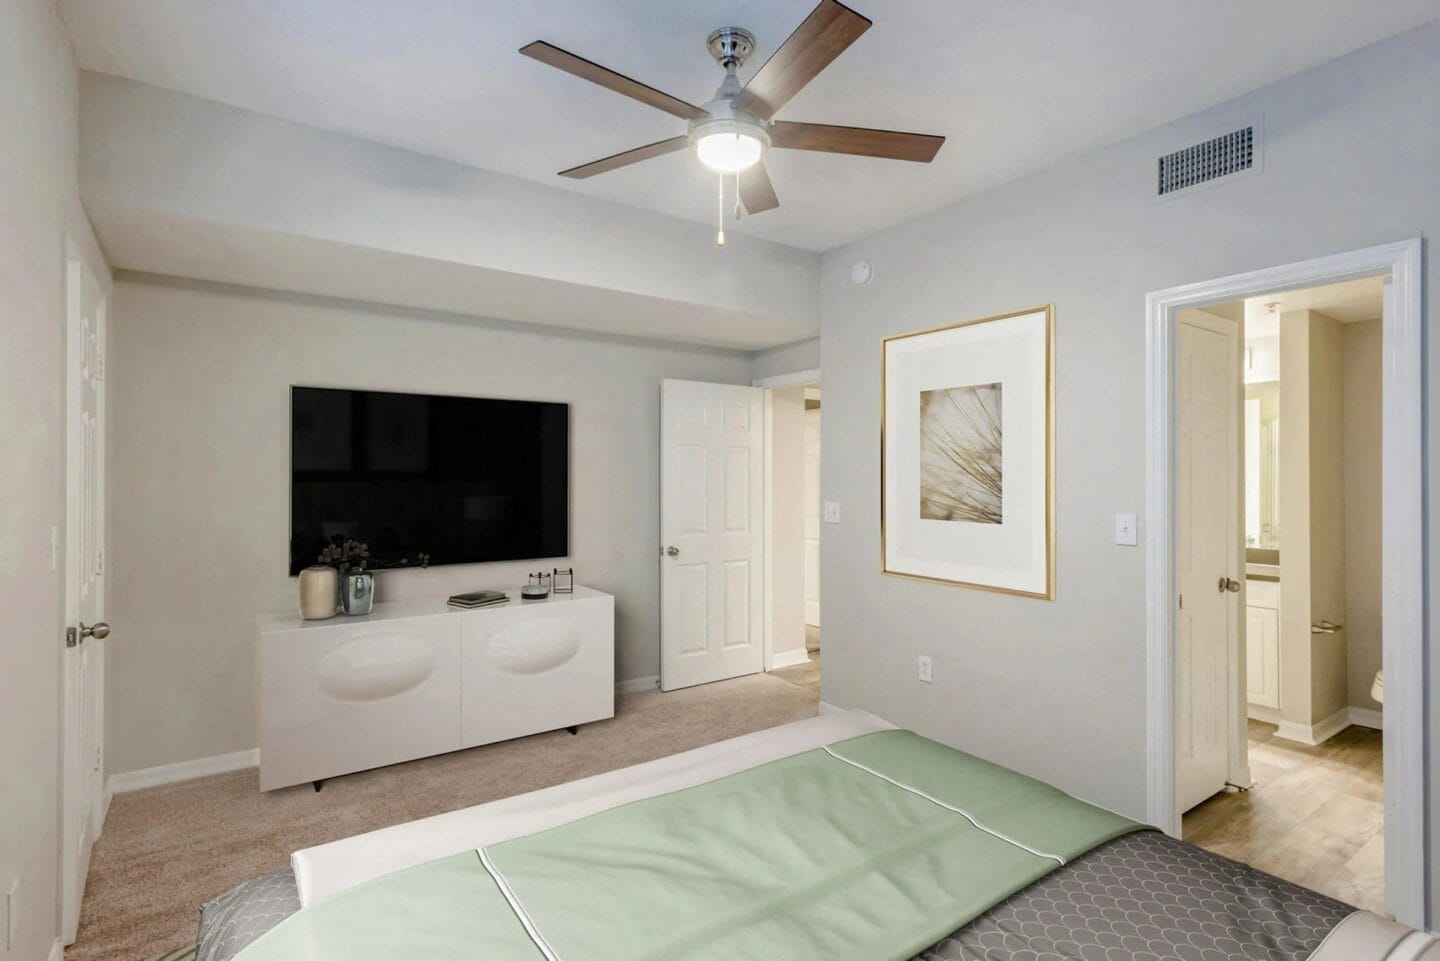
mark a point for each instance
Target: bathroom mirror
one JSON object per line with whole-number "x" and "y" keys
{"x": 1262, "y": 466}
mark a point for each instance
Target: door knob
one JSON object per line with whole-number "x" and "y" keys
{"x": 672, "y": 551}
{"x": 1229, "y": 584}
{"x": 74, "y": 637}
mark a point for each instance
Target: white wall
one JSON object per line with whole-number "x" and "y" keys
{"x": 1058, "y": 689}
{"x": 189, "y": 187}
{"x": 788, "y": 359}
{"x": 1363, "y": 470}
{"x": 200, "y": 378}
{"x": 41, "y": 205}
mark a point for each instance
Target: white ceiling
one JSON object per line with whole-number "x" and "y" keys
{"x": 1016, "y": 85}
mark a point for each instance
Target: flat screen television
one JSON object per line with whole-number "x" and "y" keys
{"x": 461, "y": 479}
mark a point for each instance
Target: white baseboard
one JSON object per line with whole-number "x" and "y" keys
{"x": 827, "y": 708}
{"x": 181, "y": 771}
{"x": 1317, "y": 733}
{"x": 1364, "y": 717}
{"x": 789, "y": 658}
{"x": 636, "y": 685}
{"x": 1270, "y": 715}
{"x": 1323, "y": 731}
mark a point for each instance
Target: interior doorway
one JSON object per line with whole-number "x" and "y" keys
{"x": 1270, "y": 719}
{"x": 793, "y": 412}
{"x": 1295, "y": 418}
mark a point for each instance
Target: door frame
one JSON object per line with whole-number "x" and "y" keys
{"x": 1404, "y": 640}
{"x": 798, "y": 378}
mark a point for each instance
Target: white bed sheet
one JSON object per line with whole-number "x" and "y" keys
{"x": 328, "y": 869}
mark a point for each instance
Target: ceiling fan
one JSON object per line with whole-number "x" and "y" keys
{"x": 731, "y": 133}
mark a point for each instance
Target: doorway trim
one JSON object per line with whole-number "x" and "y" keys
{"x": 797, "y": 378}
{"x": 1404, "y": 640}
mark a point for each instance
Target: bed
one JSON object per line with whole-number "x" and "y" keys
{"x": 836, "y": 837}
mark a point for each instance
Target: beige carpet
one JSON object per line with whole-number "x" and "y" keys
{"x": 805, "y": 675}
{"x": 166, "y": 850}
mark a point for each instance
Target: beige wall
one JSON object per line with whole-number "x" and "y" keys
{"x": 1296, "y": 690}
{"x": 1363, "y": 471}
{"x": 787, "y": 447}
{"x": 39, "y": 208}
{"x": 1328, "y": 679}
{"x": 200, "y": 379}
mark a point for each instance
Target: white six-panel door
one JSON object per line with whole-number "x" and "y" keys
{"x": 711, "y": 531}
{"x": 1207, "y": 530}
{"x": 82, "y": 741}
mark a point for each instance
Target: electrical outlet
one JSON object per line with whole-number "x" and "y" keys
{"x": 1125, "y": 530}
{"x": 927, "y": 669}
{"x": 832, "y": 512}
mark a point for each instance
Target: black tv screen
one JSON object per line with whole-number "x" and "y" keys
{"x": 461, "y": 479}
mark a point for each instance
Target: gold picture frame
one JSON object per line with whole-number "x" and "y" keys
{"x": 1049, "y": 453}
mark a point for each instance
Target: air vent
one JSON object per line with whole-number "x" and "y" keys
{"x": 1219, "y": 157}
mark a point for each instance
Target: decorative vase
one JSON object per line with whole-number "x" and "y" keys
{"x": 319, "y": 590}
{"x": 357, "y": 593}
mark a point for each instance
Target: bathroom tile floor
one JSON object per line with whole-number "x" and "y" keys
{"x": 1315, "y": 815}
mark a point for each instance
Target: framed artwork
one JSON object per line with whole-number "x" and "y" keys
{"x": 967, "y": 454}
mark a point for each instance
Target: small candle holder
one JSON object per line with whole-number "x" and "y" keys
{"x": 537, "y": 588}
{"x": 563, "y": 581}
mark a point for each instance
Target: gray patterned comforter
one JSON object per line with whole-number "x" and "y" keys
{"x": 1141, "y": 897}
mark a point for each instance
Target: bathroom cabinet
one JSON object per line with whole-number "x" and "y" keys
{"x": 1262, "y": 642}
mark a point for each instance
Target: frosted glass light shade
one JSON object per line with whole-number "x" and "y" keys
{"x": 728, "y": 153}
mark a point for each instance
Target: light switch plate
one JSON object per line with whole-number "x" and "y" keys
{"x": 1126, "y": 530}
{"x": 832, "y": 512}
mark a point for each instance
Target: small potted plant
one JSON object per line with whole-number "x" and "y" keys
{"x": 357, "y": 571}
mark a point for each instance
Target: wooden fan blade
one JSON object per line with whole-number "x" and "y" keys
{"x": 624, "y": 159}
{"x": 609, "y": 79}
{"x": 830, "y": 28}
{"x": 757, "y": 193}
{"x": 863, "y": 141}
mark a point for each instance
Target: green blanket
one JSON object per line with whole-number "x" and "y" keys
{"x": 868, "y": 850}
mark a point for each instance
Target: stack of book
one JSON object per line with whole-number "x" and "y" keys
{"x": 478, "y": 599}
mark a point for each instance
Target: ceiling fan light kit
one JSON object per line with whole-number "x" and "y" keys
{"x": 732, "y": 132}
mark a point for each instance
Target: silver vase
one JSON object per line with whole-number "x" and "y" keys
{"x": 357, "y": 592}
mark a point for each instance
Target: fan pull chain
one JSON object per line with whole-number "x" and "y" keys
{"x": 720, "y": 209}
{"x": 737, "y": 195}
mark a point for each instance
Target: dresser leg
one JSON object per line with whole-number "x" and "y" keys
{"x": 573, "y": 729}
{"x": 318, "y": 785}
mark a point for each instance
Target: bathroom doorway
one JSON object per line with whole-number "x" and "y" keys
{"x": 1323, "y": 777}
{"x": 1309, "y": 598}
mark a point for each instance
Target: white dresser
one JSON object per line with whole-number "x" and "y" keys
{"x": 415, "y": 678}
